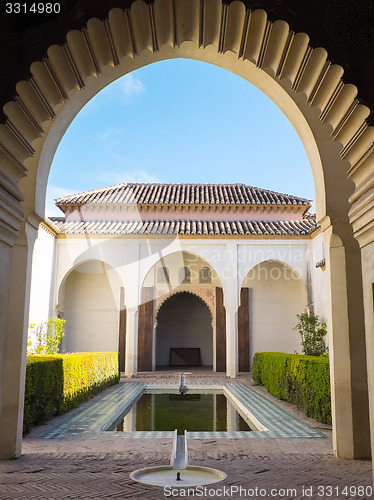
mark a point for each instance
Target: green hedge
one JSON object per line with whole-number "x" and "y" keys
{"x": 58, "y": 383}
{"x": 303, "y": 380}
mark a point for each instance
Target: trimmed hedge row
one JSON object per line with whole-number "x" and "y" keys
{"x": 58, "y": 383}
{"x": 303, "y": 380}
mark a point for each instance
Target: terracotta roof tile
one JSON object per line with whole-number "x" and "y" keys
{"x": 193, "y": 227}
{"x": 182, "y": 194}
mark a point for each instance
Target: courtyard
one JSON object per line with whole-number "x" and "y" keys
{"x": 315, "y": 63}
{"x": 76, "y": 467}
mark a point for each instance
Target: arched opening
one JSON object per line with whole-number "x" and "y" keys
{"x": 190, "y": 296}
{"x": 302, "y": 82}
{"x": 89, "y": 301}
{"x": 184, "y": 332}
{"x": 272, "y": 294}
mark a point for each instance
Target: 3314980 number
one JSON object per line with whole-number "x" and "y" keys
{"x": 34, "y": 8}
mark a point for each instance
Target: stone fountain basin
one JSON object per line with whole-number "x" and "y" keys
{"x": 166, "y": 475}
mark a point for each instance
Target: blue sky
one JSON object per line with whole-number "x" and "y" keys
{"x": 180, "y": 121}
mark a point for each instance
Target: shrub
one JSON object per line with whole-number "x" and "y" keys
{"x": 303, "y": 380}
{"x": 47, "y": 335}
{"x": 86, "y": 375}
{"x": 58, "y": 383}
{"x": 43, "y": 390}
{"x": 313, "y": 333}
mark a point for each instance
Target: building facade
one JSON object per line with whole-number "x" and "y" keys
{"x": 177, "y": 274}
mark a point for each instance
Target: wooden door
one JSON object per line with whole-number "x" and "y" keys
{"x": 122, "y": 332}
{"x": 243, "y": 331}
{"x": 220, "y": 332}
{"x": 145, "y": 331}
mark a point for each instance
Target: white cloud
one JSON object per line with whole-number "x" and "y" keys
{"x": 54, "y": 192}
{"x": 111, "y": 178}
{"x": 132, "y": 86}
{"x": 111, "y": 133}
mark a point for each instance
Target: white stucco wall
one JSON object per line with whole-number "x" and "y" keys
{"x": 274, "y": 304}
{"x": 91, "y": 309}
{"x": 42, "y": 274}
{"x": 321, "y": 300}
{"x": 276, "y": 296}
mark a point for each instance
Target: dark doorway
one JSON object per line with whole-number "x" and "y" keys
{"x": 184, "y": 323}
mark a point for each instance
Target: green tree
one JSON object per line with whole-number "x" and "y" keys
{"x": 48, "y": 335}
{"x": 313, "y": 333}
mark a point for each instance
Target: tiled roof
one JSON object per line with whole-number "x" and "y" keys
{"x": 183, "y": 194}
{"x": 193, "y": 227}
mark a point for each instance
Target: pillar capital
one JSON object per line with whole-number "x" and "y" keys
{"x": 362, "y": 218}
{"x": 361, "y": 214}
{"x": 11, "y": 217}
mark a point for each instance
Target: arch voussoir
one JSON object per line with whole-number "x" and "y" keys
{"x": 300, "y": 79}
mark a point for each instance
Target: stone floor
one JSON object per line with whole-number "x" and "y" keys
{"x": 57, "y": 469}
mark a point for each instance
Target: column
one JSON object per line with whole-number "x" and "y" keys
{"x": 130, "y": 274}
{"x": 15, "y": 341}
{"x": 349, "y": 391}
{"x": 11, "y": 217}
{"x": 131, "y": 363}
{"x": 230, "y": 276}
{"x": 5, "y": 257}
{"x": 361, "y": 216}
{"x": 232, "y": 342}
{"x": 368, "y": 279}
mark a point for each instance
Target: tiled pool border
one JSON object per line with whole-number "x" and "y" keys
{"x": 91, "y": 420}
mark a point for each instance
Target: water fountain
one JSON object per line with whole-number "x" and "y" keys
{"x": 182, "y": 386}
{"x": 178, "y": 474}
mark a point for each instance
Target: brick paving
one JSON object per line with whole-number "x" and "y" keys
{"x": 99, "y": 469}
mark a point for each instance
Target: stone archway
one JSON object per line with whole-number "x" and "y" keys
{"x": 272, "y": 295}
{"x": 89, "y": 299}
{"x": 179, "y": 272}
{"x": 184, "y": 331}
{"x": 300, "y": 80}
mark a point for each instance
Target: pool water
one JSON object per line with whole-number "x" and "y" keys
{"x": 193, "y": 412}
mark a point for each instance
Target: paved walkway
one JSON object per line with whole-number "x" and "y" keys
{"x": 99, "y": 469}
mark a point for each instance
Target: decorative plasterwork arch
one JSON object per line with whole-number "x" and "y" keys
{"x": 180, "y": 291}
{"x": 300, "y": 79}
{"x": 168, "y": 253}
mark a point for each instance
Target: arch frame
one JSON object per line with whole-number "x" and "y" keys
{"x": 299, "y": 78}
{"x": 62, "y": 281}
{"x": 173, "y": 295}
{"x": 178, "y": 247}
{"x": 180, "y": 291}
{"x": 283, "y": 263}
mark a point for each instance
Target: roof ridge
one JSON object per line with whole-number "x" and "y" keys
{"x": 186, "y": 226}
{"x": 151, "y": 185}
{"x": 262, "y": 221}
{"x": 97, "y": 190}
